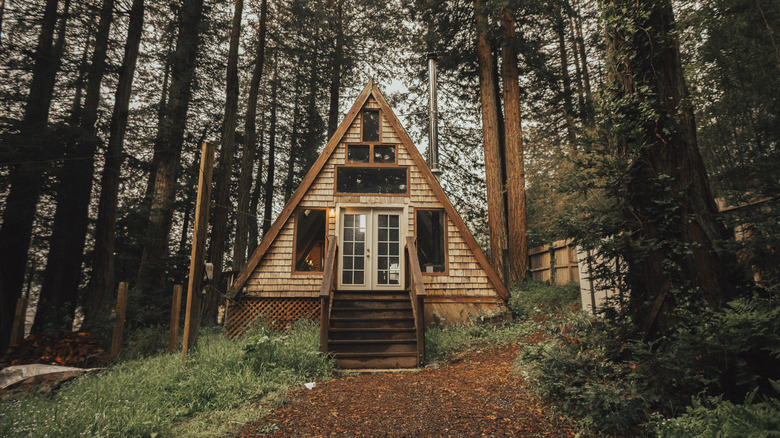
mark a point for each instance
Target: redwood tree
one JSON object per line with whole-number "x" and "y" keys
{"x": 662, "y": 217}
{"x": 492, "y": 143}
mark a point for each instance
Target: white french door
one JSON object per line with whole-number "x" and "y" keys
{"x": 371, "y": 250}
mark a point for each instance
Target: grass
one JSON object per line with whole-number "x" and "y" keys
{"x": 159, "y": 396}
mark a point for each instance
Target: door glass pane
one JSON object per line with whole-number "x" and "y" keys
{"x": 388, "y": 246}
{"x": 353, "y": 251}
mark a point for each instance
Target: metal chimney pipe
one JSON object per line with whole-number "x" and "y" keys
{"x": 433, "y": 119}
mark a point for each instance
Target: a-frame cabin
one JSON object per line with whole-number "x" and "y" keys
{"x": 370, "y": 244}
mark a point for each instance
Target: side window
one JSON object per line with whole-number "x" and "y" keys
{"x": 370, "y": 125}
{"x": 431, "y": 228}
{"x": 310, "y": 230}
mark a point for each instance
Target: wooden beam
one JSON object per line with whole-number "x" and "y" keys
{"x": 119, "y": 322}
{"x": 173, "y": 336}
{"x": 195, "y": 282}
{"x": 17, "y": 330}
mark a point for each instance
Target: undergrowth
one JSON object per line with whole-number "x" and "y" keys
{"x": 160, "y": 396}
{"x": 627, "y": 386}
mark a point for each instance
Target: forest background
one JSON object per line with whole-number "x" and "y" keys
{"x": 105, "y": 104}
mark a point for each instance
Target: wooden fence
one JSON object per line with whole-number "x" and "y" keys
{"x": 556, "y": 263}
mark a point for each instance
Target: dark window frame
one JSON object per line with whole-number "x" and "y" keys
{"x": 370, "y": 162}
{"x": 446, "y": 239}
{"x": 336, "y": 192}
{"x": 380, "y": 119}
{"x": 294, "y": 262}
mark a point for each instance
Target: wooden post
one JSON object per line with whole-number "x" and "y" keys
{"x": 119, "y": 323}
{"x": 195, "y": 282}
{"x": 17, "y": 330}
{"x": 175, "y": 310}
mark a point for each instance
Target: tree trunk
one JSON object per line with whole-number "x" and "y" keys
{"x": 336, "y": 61}
{"x": 101, "y": 286}
{"x": 515, "y": 188}
{"x": 219, "y": 229}
{"x": 294, "y": 140}
{"x": 59, "y": 292}
{"x": 244, "y": 215}
{"x": 491, "y": 139}
{"x": 666, "y": 189}
{"x": 568, "y": 107}
{"x": 269, "y": 182}
{"x": 254, "y": 203}
{"x": 589, "y": 110}
{"x": 168, "y": 142}
{"x": 26, "y": 181}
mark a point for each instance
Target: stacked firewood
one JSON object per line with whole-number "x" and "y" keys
{"x": 65, "y": 348}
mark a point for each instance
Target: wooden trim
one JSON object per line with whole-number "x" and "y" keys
{"x": 268, "y": 239}
{"x": 439, "y": 192}
{"x": 295, "y": 241}
{"x": 462, "y": 299}
{"x": 371, "y": 146}
{"x": 446, "y": 241}
{"x": 369, "y": 166}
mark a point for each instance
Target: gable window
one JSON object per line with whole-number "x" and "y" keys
{"x": 380, "y": 180}
{"x": 431, "y": 229}
{"x": 374, "y": 154}
{"x": 371, "y": 125}
{"x": 310, "y": 230}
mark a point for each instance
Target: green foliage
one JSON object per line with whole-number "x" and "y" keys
{"x": 146, "y": 342}
{"x": 532, "y": 297}
{"x": 293, "y": 353}
{"x": 153, "y": 396}
{"x": 595, "y": 370}
{"x": 716, "y": 417}
{"x": 443, "y": 340}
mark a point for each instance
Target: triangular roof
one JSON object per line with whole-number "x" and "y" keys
{"x": 370, "y": 90}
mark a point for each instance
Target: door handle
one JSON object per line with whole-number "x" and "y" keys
{"x": 368, "y": 252}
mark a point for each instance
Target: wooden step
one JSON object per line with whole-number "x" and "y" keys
{"x": 400, "y": 346}
{"x": 366, "y": 313}
{"x": 371, "y": 295}
{"x": 375, "y": 360}
{"x": 378, "y": 322}
{"x": 372, "y": 304}
{"x": 358, "y": 333}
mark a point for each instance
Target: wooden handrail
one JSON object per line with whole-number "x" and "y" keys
{"x": 417, "y": 296}
{"x": 326, "y": 291}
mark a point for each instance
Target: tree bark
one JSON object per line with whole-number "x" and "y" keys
{"x": 101, "y": 287}
{"x": 269, "y": 182}
{"x": 336, "y": 61}
{"x": 491, "y": 139}
{"x": 244, "y": 215}
{"x": 219, "y": 231}
{"x": 59, "y": 292}
{"x": 294, "y": 141}
{"x": 168, "y": 143}
{"x": 568, "y": 107}
{"x": 666, "y": 189}
{"x": 516, "y": 210}
{"x": 26, "y": 180}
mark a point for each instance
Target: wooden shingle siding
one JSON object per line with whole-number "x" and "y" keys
{"x": 466, "y": 289}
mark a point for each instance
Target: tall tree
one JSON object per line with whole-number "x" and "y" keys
{"x": 670, "y": 232}
{"x": 59, "y": 291}
{"x": 337, "y": 61}
{"x": 96, "y": 302}
{"x": 250, "y": 139}
{"x": 26, "y": 180}
{"x": 219, "y": 229}
{"x": 492, "y": 142}
{"x": 167, "y": 153}
{"x": 513, "y": 140}
{"x": 269, "y": 182}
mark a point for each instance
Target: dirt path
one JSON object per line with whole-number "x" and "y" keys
{"x": 474, "y": 394}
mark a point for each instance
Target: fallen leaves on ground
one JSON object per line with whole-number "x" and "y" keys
{"x": 475, "y": 394}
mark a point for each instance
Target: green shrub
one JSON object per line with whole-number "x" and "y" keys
{"x": 532, "y": 297}
{"x": 295, "y": 353}
{"x": 443, "y": 340}
{"x": 594, "y": 370}
{"x": 716, "y": 417}
{"x": 154, "y": 396}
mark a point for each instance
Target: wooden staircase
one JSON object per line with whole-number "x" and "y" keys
{"x": 372, "y": 329}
